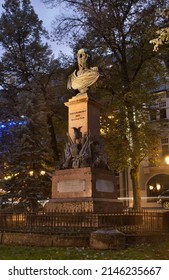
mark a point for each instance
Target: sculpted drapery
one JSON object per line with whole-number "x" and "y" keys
{"x": 85, "y": 76}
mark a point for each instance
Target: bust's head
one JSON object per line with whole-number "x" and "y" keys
{"x": 84, "y": 58}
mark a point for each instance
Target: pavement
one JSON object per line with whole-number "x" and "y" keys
{"x": 155, "y": 209}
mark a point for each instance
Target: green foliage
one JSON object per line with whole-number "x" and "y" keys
{"x": 25, "y": 148}
{"x": 20, "y": 36}
{"x": 126, "y": 148}
{"x": 163, "y": 32}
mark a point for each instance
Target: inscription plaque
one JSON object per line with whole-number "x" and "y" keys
{"x": 78, "y": 115}
{"x": 104, "y": 186}
{"x": 71, "y": 186}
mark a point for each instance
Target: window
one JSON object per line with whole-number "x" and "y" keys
{"x": 165, "y": 150}
{"x": 165, "y": 146}
{"x": 162, "y": 104}
{"x": 158, "y": 110}
{"x": 163, "y": 114}
{"x": 164, "y": 140}
{"x": 153, "y": 115}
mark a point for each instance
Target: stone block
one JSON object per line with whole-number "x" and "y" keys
{"x": 41, "y": 240}
{"x": 107, "y": 239}
{"x": 27, "y": 239}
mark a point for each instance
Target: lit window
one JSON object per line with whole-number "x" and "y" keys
{"x": 165, "y": 150}
{"x": 31, "y": 173}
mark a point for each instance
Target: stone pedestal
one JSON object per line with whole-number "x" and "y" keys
{"x": 84, "y": 112}
{"x": 84, "y": 182}
{"x": 84, "y": 189}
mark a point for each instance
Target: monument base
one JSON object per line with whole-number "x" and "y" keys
{"x": 79, "y": 205}
{"x": 84, "y": 189}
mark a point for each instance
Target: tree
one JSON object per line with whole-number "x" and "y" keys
{"x": 117, "y": 33}
{"x": 20, "y": 36}
{"x": 27, "y": 72}
{"x": 26, "y": 153}
{"x": 161, "y": 43}
{"x": 163, "y": 32}
{"x": 26, "y": 58}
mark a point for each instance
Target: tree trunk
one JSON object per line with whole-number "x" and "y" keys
{"x": 53, "y": 140}
{"x": 136, "y": 188}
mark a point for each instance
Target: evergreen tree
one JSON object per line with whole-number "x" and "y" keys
{"x": 27, "y": 154}
{"x": 27, "y": 71}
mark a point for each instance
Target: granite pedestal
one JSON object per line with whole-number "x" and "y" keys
{"x": 84, "y": 189}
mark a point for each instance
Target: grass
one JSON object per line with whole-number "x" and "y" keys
{"x": 156, "y": 251}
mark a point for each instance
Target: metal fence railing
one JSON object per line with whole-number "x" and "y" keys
{"x": 84, "y": 222}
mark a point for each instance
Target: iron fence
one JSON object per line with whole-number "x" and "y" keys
{"x": 61, "y": 222}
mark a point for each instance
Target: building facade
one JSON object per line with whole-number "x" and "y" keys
{"x": 154, "y": 178}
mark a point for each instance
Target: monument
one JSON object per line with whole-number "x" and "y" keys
{"x": 83, "y": 180}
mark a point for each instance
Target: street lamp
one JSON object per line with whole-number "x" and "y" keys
{"x": 167, "y": 159}
{"x": 158, "y": 186}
